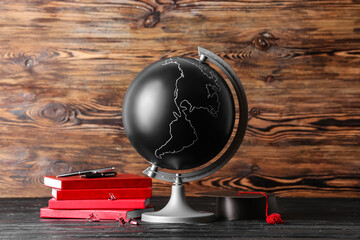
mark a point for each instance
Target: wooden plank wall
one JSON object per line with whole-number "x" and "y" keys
{"x": 65, "y": 67}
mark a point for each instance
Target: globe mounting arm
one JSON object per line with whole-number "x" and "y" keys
{"x": 205, "y": 54}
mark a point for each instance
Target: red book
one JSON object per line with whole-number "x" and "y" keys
{"x": 118, "y": 193}
{"x": 89, "y": 213}
{"x": 99, "y": 204}
{"x": 119, "y": 181}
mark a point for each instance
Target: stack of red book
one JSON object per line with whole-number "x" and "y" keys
{"x": 123, "y": 196}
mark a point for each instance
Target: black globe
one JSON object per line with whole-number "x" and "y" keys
{"x": 178, "y": 113}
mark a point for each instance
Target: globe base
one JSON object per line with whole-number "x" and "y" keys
{"x": 177, "y": 210}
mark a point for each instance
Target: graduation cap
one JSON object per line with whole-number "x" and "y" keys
{"x": 245, "y": 206}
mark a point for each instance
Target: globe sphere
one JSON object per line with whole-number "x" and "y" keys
{"x": 178, "y": 113}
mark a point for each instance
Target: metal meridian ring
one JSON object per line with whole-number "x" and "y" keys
{"x": 239, "y": 135}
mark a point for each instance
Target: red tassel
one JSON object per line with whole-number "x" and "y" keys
{"x": 273, "y": 218}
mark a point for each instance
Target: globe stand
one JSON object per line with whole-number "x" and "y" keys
{"x": 177, "y": 210}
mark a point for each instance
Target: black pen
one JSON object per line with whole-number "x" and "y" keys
{"x": 86, "y": 171}
{"x": 99, "y": 175}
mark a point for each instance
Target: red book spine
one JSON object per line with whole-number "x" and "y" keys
{"x": 98, "y": 214}
{"x": 99, "y": 204}
{"x": 118, "y": 193}
{"x": 119, "y": 181}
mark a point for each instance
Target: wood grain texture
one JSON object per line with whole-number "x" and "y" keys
{"x": 65, "y": 67}
{"x": 305, "y": 218}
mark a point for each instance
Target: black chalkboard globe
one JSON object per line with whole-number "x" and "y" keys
{"x": 178, "y": 113}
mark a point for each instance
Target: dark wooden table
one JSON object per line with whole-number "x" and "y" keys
{"x": 304, "y": 218}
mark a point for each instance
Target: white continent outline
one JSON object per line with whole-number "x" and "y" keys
{"x": 217, "y": 88}
{"x": 177, "y": 115}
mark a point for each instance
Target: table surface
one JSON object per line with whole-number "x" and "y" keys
{"x": 304, "y": 218}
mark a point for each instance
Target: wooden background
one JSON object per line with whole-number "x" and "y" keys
{"x": 65, "y": 67}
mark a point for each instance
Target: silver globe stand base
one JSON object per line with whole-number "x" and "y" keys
{"x": 177, "y": 210}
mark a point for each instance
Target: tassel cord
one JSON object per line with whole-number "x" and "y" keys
{"x": 273, "y": 218}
